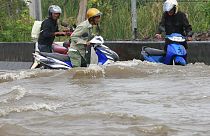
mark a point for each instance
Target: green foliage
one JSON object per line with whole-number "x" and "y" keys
{"x": 116, "y": 15}
{"x": 16, "y": 27}
{"x": 118, "y": 25}
{"x": 116, "y": 20}
{"x": 105, "y": 6}
{"x": 149, "y": 15}
{"x": 70, "y": 9}
{"x": 206, "y": 10}
{"x": 198, "y": 14}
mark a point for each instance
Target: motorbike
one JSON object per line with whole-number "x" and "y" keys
{"x": 175, "y": 54}
{"x": 63, "y": 61}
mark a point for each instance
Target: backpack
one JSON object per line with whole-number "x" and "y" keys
{"x": 36, "y": 30}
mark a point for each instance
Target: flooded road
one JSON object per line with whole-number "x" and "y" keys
{"x": 128, "y": 98}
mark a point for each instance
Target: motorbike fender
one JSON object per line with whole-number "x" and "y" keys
{"x": 178, "y": 60}
{"x": 174, "y": 50}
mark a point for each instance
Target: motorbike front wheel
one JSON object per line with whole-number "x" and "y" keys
{"x": 179, "y": 61}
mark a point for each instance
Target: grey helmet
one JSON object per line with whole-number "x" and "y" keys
{"x": 54, "y": 9}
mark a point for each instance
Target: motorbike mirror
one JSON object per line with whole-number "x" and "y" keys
{"x": 97, "y": 39}
{"x": 74, "y": 25}
{"x": 85, "y": 35}
{"x": 64, "y": 24}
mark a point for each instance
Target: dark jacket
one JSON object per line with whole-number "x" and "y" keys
{"x": 177, "y": 23}
{"x": 48, "y": 28}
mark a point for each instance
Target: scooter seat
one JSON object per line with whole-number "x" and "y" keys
{"x": 154, "y": 52}
{"x": 61, "y": 57}
{"x": 59, "y": 49}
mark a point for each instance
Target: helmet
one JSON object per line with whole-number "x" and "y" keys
{"x": 92, "y": 12}
{"x": 169, "y": 5}
{"x": 54, "y": 9}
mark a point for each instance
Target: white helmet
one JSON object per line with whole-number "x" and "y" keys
{"x": 169, "y": 5}
{"x": 54, "y": 9}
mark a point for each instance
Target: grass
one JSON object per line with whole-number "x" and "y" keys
{"x": 117, "y": 24}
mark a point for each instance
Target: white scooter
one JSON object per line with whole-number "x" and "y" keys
{"x": 62, "y": 61}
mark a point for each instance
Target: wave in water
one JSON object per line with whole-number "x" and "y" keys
{"x": 16, "y": 94}
{"x": 7, "y": 76}
{"x": 138, "y": 69}
{"x": 32, "y": 107}
{"x": 121, "y": 69}
{"x": 116, "y": 70}
{"x": 104, "y": 124}
{"x": 8, "y": 129}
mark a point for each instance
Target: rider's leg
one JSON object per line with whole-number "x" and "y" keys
{"x": 77, "y": 55}
{"x": 45, "y": 48}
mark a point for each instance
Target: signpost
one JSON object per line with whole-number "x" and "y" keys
{"x": 134, "y": 19}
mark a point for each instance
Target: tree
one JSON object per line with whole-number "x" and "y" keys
{"x": 82, "y": 11}
{"x": 15, "y": 24}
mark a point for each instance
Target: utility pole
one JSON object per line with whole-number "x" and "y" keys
{"x": 35, "y": 9}
{"x": 134, "y": 19}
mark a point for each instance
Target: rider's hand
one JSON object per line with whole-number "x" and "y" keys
{"x": 66, "y": 30}
{"x": 158, "y": 36}
{"x": 88, "y": 43}
{"x": 189, "y": 38}
{"x": 60, "y": 33}
{"x": 69, "y": 33}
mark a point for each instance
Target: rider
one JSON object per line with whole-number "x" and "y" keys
{"x": 174, "y": 21}
{"x": 49, "y": 29}
{"x": 81, "y": 36}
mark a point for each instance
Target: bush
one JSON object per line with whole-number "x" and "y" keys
{"x": 16, "y": 27}
{"x": 116, "y": 19}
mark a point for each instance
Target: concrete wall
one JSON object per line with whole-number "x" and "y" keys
{"x": 15, "y": 56}
{"x": 16, "y": 51}
{"x": 199, "y": 51}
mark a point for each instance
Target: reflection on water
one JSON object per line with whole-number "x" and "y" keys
{"x": 125, "y": 98}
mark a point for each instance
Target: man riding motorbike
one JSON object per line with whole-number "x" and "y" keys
{"x": 80, "y": 38}
{"x": 49, "y": 29}
{"x": 174, "y": 21}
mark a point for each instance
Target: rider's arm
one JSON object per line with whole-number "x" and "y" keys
{"x": 187, "y": 26}
{"x": 161, "y": 27}
{"x": 81, "y": 35}
{"x": 47, "y": 29}
{"x": 59, "y": 33}
{"x": 77, "y": 35}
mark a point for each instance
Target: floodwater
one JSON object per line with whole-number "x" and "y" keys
{"x": 129, "y": 98}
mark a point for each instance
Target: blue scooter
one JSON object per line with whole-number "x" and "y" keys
{"x": 63, "y": 61}
{"x": 175, "y": 54}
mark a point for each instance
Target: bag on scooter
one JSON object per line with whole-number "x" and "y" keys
{"x": 36, "y": 30}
